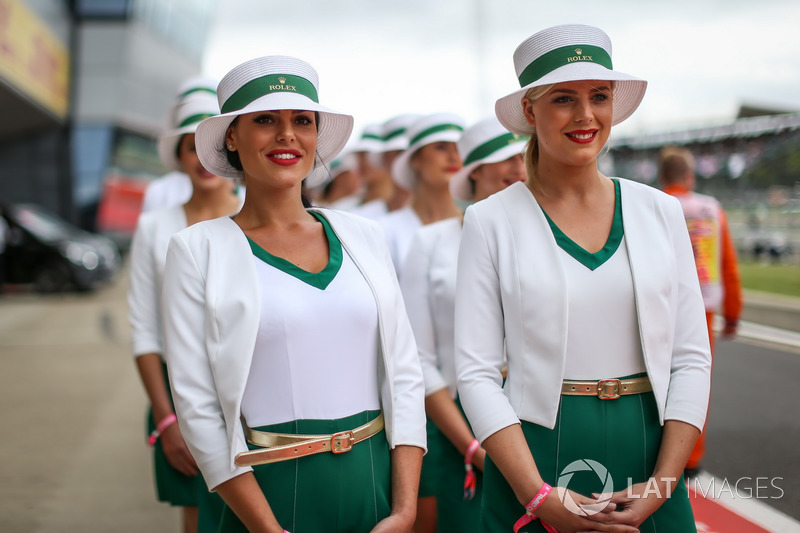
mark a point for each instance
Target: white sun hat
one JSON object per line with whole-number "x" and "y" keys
{"x": 428, "y": 129}
{"x": 371, "y": 140}
{"x": 571, "y": 52}
{"x": 189, "y": 88}
{"x": 488, "y": 141}
{"x": 271, "y": 83}
{"x": 197, "y": 84}
{"x": 187, "y": 113}
{"x": 394, "y": 132}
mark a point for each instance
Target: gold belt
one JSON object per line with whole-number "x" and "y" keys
{"x": 606, "y": 389}
{"x": 284, "y": 446}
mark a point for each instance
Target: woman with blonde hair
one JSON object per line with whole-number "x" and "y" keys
{"x": 587, "y": 284}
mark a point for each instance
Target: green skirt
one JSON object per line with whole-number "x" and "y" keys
{"x": 179, "y": 490}
{"x": 348, "y": 492}
{"x": 431, "y": 462}
{"x": 454, "y": 513}
{"x": 596, "y": 446}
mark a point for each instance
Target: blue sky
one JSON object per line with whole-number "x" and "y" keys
{"x": 376, "y": 59}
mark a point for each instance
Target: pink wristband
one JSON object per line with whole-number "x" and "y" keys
{"x": 163, "y": 424}
{"x": 532, "y": 505}
{"x": 166, "y": 422}
{"x": 470, "y": 480}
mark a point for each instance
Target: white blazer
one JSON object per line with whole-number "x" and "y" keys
{"x": 429, "y": 289}
{"x": 148, "y": 255}
{"x": 511, "y": 289}
{"x": 211, "y": 318}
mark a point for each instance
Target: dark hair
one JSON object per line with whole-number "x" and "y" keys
{"x": 178, "y": 147}
{"x": 232, "y": 157}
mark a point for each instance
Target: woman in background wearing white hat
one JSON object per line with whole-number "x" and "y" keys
{"x": 425, "y": 168}
{"x": 285, "y": 332}
{"x": 493, "y": 161}
{"x": 395, "y": 142}
{"x": 344, "y": 189}
{"x": 588, "y": 285}
{"x": 176, "y": 475}
{"x": 175, "y": 187}
{"x": 378, "y": 186}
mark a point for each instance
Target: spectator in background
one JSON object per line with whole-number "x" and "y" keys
{"x": 714, "y": 254}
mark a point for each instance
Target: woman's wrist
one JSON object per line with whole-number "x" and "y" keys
{"x": 532, "y": 506}
{"x": 161, "y": 426}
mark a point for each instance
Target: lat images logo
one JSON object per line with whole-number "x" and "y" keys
{"x": 585, "y": 465}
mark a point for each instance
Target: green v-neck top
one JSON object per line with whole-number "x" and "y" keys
{"x": 319, "y": 279}
{"x": 593, "y": 260}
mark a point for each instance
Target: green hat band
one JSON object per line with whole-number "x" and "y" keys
{"x": 194, "y": 119}
{"x": 490, "y": 147}
{"x": 435, "y": 129}
{"x": 559, "y": 57}
{"x": 392, "y": 134}
{"x": 197, "y": 90}
{"x": 271, "y": 83}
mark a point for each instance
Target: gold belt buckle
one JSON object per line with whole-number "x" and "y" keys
{"x": 608, "y": 389}
{"x": 342, "y": 442}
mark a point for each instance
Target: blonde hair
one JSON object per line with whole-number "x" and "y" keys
{"x": 531, "y": 157}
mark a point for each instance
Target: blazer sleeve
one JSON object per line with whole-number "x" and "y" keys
{"x": 187, "y": 321}
{"x": 480, "y": 333}
{"x": 690, "y": 368}
{"x": 415, "y": 285}
{"x": 408, "y": 396}
{"x": 144, "y": 311}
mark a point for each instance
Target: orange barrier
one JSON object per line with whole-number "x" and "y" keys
{"x": 120, "y": 205}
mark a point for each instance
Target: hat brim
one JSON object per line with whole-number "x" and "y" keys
{"x": 333, "y": 132}
{"x": 402, "y": 173}
{"x": 168, "y": 146}
{"x": 460, "y": 187}
{"x": 628, "y": 94}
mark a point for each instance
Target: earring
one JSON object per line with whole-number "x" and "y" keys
{"x": 230, "y": 147}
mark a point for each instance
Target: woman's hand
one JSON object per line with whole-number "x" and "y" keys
{"x": 568, "y": 512}
{"x": 177, "y": 453}
{"x": 635, "y": 503}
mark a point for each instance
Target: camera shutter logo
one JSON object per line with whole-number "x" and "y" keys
{"x": 585, "y": 465}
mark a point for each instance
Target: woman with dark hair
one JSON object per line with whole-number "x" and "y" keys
{"x": 293, "y": 365}
{"x": 176, "y": 474}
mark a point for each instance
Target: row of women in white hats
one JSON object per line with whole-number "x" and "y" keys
{"x": 287, "y": 337}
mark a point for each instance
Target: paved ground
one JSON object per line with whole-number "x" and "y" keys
{"x": 73, "y": 453}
